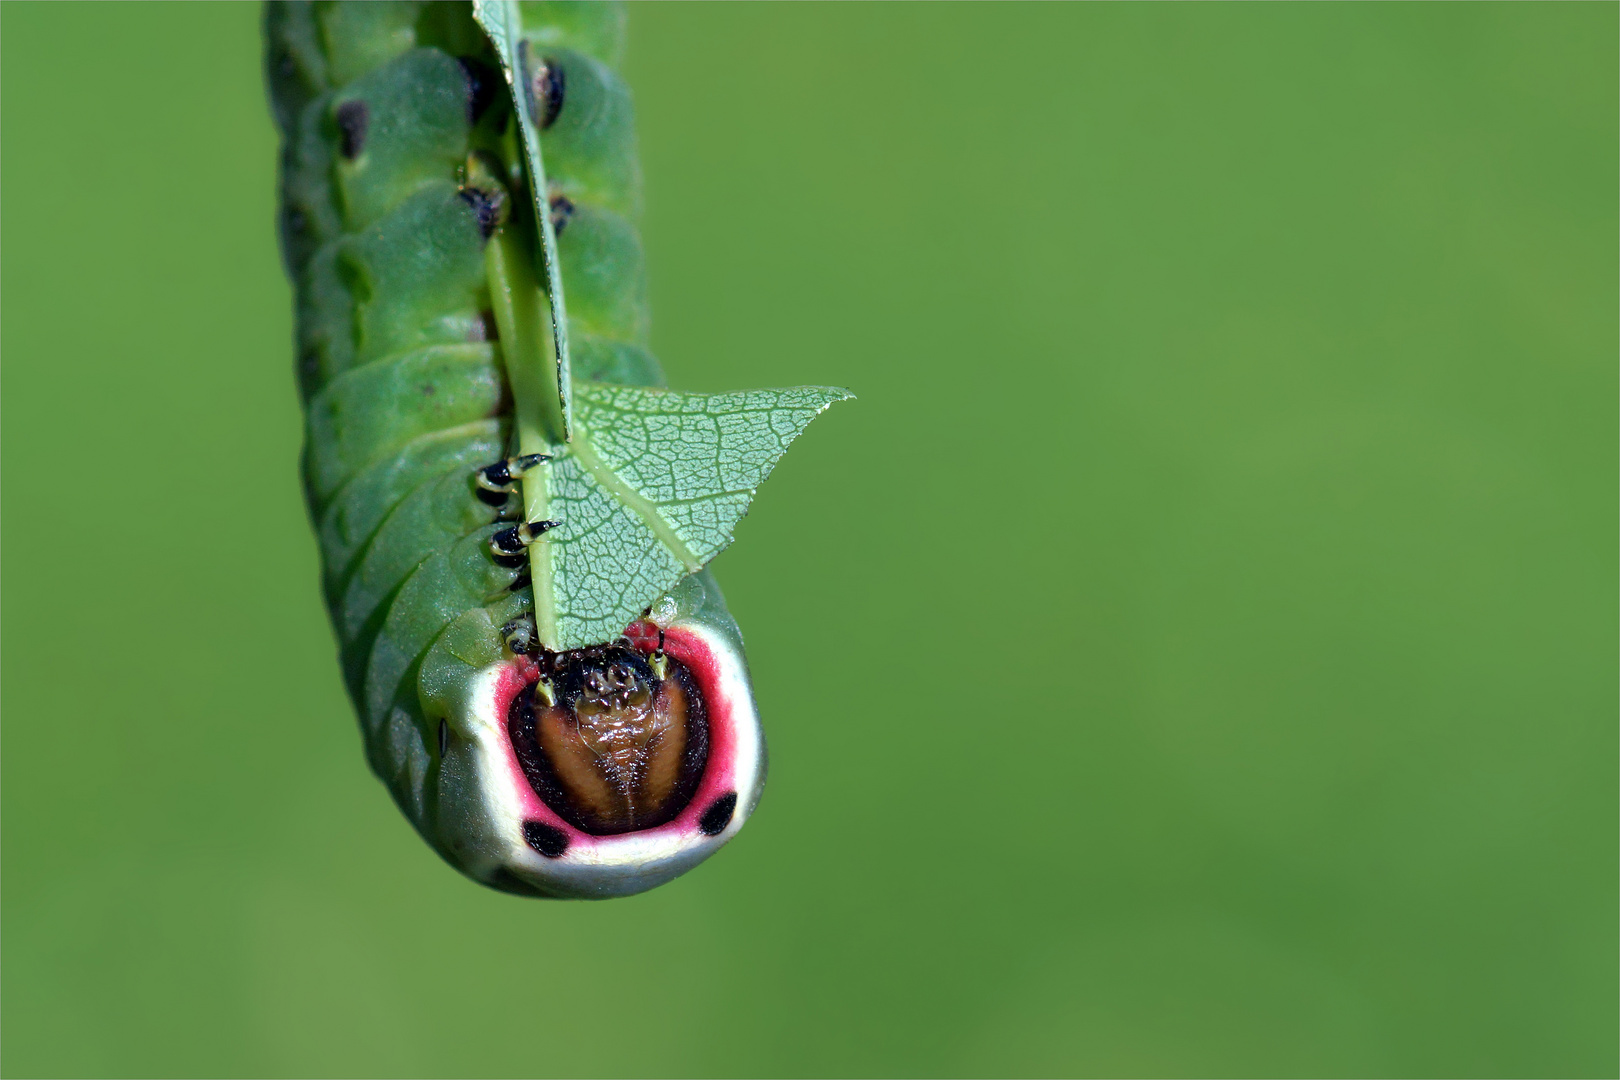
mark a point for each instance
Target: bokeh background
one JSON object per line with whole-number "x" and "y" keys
{"x": 1194, "y": 653}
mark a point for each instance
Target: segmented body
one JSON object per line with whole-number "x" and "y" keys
{"x": 398, "y": 164}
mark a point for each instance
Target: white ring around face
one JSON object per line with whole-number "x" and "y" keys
{"x": 489, "y": 836}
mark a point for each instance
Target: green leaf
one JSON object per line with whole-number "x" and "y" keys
{"x": 651, "y": 489}
{"x": 501, "y": 21}
{"x": 652, "y": 483}
{"x": 646, "y": 485}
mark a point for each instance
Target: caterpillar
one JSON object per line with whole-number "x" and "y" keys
{"x": 514, "y": 512}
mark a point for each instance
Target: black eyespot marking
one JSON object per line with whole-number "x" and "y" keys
{"x": 548, "y": 840}
{"x": 549, "y": 91}
{"x": 488, "y": 206}
{"x": 444, "y": 738}
{"x": 562, "y": 209}
{"x": 352, "y": 118}
{"x": 718, "y": 815}
{"x": 482, "y": 82}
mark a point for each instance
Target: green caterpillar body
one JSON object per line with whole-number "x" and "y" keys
{"x": 399, "y": 163}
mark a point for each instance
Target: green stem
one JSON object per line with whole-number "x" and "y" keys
{"x": 529, "y": 351}
{"x": 503, "y": 22}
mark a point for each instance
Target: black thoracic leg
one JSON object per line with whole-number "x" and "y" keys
{"x": 521, "y": 637}
{"x": 495, "y": 482}
{"x": 562, "y": 211}
{"x": 508, "y": 545}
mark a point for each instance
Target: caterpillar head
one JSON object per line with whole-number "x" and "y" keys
{"x": 602, "y": 771}
{"x": 613, "y": 741}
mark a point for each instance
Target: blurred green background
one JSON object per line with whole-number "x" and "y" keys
{"x": 1195, "y": 652}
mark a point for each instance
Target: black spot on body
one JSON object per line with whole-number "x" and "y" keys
{"x": 444, "y": 738}
{"x": 718, "y": 815}
{"x": 548, "y": 840}
{"x": 352, "y": 118}
{"x": 482, "y": 84}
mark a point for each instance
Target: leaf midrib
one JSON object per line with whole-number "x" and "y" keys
{"x": 644, "y": 508}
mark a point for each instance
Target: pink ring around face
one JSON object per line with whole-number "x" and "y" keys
{"x": 626, "y": 863}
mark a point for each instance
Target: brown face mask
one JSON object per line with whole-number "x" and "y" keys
{"x": 611, "y": 741}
